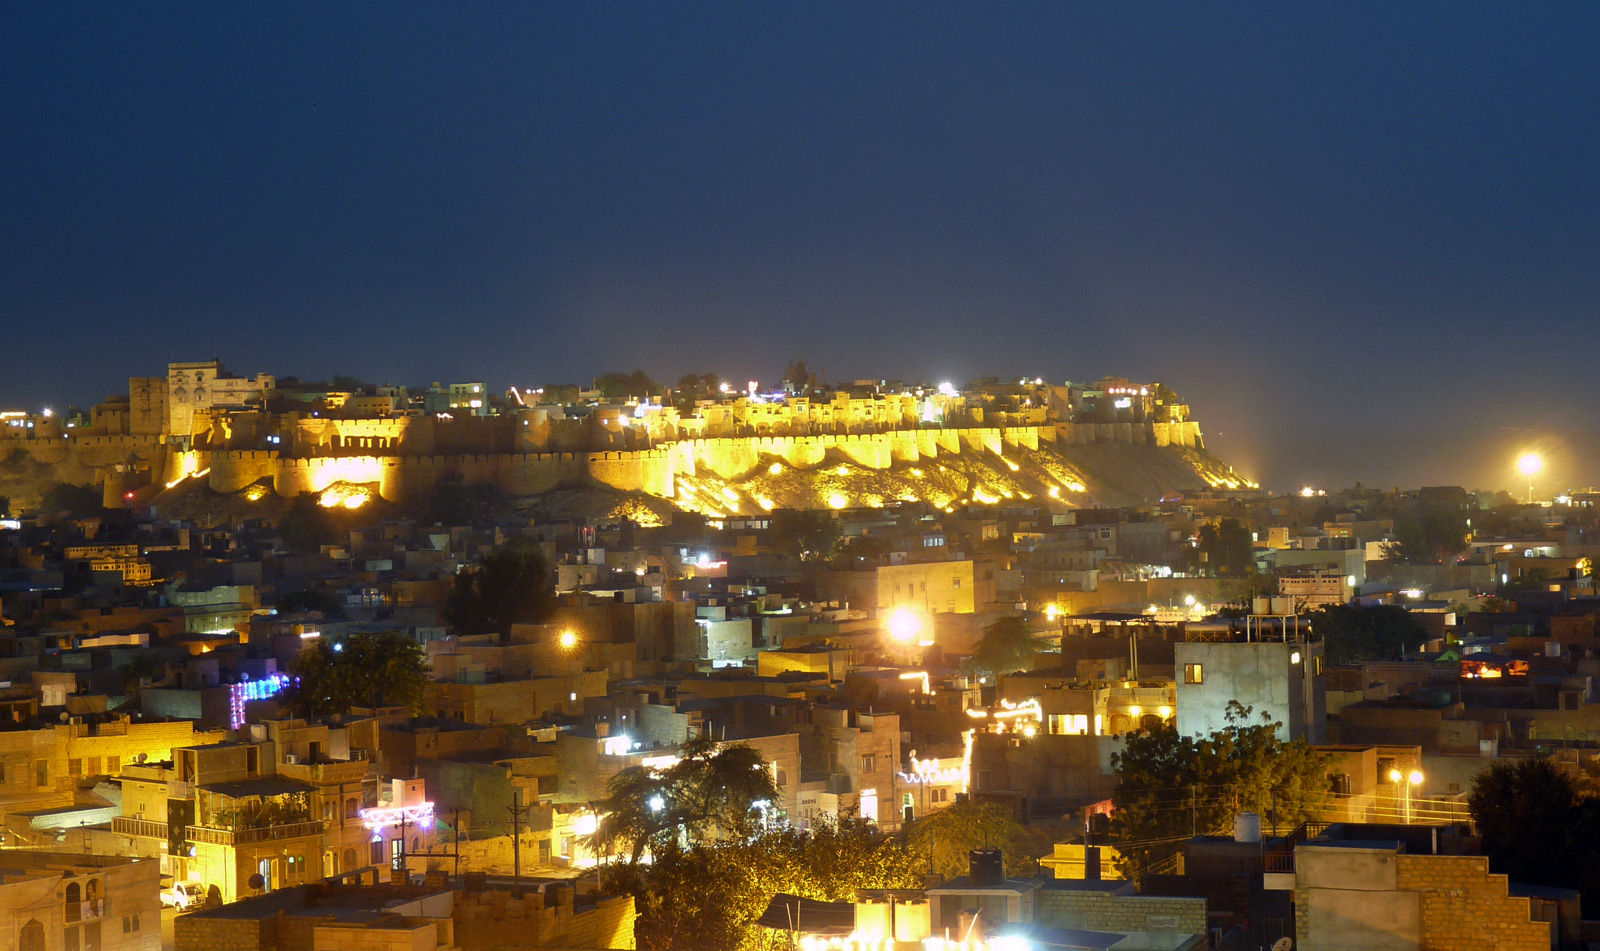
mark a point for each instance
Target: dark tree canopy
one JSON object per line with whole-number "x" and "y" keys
{"x": 625, "y": 385}
{"x": 1225, "y": 549}
{"x": 75, "y": 500}
{"x": 1428, "y": 538}
{"x": 512, "y": 585}
{"x": 1006, "y": 645}
{"x": 325, "y": 602}
{"x": 1540, "y": 826}
{"x": 1354, "y": 632}
{"x": 807, "y": 535}
{"x": 360, "y": 671}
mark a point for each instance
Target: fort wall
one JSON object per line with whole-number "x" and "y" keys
{"x": 407, "y": 457}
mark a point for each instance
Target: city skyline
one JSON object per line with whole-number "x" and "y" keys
{"x": 1356, "y": 239}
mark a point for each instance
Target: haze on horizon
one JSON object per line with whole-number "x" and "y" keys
{"x": 1360, "y": 240}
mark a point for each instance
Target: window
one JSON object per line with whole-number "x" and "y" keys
{"x": 350, "y": 806}
{"x": 75, "y": 767}
{"x": 94, "y": 766}
{"x": 113, "y": 768}
{"x": 1316, "y": 665}
{"x": 377, "y": 851}
{"x": 1193, "y": 674}
{"x": 781, "y": 779}
{"x": 869, "y": 763}
{"x": 955, "y": 583}
{"x": 74, "y": 901}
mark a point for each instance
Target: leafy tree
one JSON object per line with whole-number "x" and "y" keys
{"x": 1006, "y": 645}
{"x": 559, "y": 393}
{"x": 142, "y": 666}
{"x": 709, "y": 794}
{"x": 1354, "y": 632}
{"x": 1171, "y": 786}
{"x": 74, "y": 500}
{"x": 1226, "y": 549}
{"x": 306, "y": 526}
{"x": 1526, "y": 813}
{"x": 364, "y": 670}
{"x": 708, "y": 896}
{"x": 14, "y": 460}
{"x": 947, "y": 837}
{"x": 637, "y": 384}
{"x": 512, "y": 585}
{"x": 324, "y": 602}
{"x": 1428, "y": 538}
{"x": 859, "y": 551}
{"x": 807, "y": 535}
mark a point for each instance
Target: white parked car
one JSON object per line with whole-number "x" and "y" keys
{"x": 183, "y": 896}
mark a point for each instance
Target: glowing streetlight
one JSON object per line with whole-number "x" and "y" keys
{"x": 1530, "y": 464}
{"x": 1405, "y": 782}
{"x": 568, "y": 639}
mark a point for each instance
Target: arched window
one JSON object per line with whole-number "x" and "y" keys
{"x": 31, "y": 937}
{"x": 181, "y": 395}
{"x": 74, "y": 901}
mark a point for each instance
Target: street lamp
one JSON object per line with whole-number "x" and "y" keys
{"x": 1530, "y": 464}
{"x": 1405, "y": 782}
{"x": 568, "y": 639}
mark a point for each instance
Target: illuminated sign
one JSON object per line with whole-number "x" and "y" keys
{"x": 420, "y": 815}
{"x": 246, "y": 690}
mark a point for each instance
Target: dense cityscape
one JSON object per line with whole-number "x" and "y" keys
{"x": 631, "y": 665}
{"x": 508, "y": 476}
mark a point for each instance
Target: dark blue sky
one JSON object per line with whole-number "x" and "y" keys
{"x": 1364, "y": 240}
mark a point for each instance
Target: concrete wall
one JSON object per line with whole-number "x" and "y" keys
{"x": 1105, "y": 911}
{"x": 1266, "y": 677}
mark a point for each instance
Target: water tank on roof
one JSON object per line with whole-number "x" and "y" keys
{"x": 1283, "y": 606}
{"x": 913, "y": 923}
{"x": 1247, "y": 827}
{"x": 872, "y": 920}
{"x": 1260, "y": 605}
{"x": 986, "y": 866}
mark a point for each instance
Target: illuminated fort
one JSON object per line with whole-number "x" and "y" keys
{"x": 727, "y": 453}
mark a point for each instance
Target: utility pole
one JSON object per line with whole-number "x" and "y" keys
{"x": 517, "y": 810}
{"x": 455, "y": 823}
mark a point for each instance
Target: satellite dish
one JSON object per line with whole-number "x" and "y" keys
{"x": 256, "y": 881}
{"x": 1283, "y": 944}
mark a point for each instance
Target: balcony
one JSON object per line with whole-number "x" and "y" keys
{"x": 206, "y": 835}
{"x": 128, "y": 825}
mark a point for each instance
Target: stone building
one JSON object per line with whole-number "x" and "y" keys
{"x": 74, "y": 902}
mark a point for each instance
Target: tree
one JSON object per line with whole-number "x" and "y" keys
{"x": 636, "y": 385}
{"x": 306, "y": 525}
{"x": 363, "y": 670}
{"x": 806, "y": 535}
{"x": 512, "y": 585}
{"x": 708, "y": 896}
{"x": 79, "y": 501}
{"x": 1171, "y": 786}
{"x": 1226, "y": 549}
{"x": 143, "y": 666}
{"x": 1528, "y": 815}
{"x": 1354, "y": 632}
{"x": 1006, "y": 645}
{"x": 324, "y": 602}
{"x": 947, "y": 838}
{"x": 711, "y": 793}
{"x": 1428, "y": 538}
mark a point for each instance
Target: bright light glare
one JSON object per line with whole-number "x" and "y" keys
{"x": 1529, "y": 463}
{"x": 904, "y": 625}
{"x": 1415, "y": 777}
{"x": 657, "y": 804}
{"x": 568, "y": 639}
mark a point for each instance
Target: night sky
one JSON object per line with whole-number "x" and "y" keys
{"x": 1363, "y": 240}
